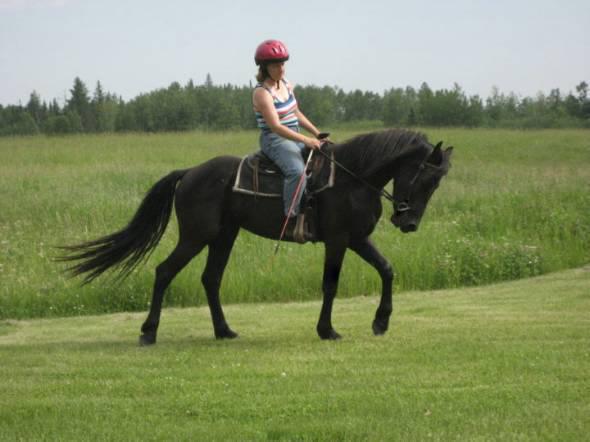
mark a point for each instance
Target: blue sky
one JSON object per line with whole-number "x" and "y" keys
{"x": 136, "y": 46}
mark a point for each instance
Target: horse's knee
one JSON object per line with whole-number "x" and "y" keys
{"x": 387, "y": 272}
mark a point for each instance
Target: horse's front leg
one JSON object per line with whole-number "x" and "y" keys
{"x": 332, "y": 266}
{"x": 366, "y": 250}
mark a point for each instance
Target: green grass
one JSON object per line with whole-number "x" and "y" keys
{"x": 515, "y": 204}
{"x": 503, "y": 362}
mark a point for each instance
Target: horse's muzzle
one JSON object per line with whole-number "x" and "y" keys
{"x": 406, "y": 226}
{"x": 410, "y": 227}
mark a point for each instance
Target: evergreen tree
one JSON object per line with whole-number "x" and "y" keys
{"x": 99, "y": 96}
{"x": 34, "y": 107}
{"x": 79, "y": 103}
{"x": 582, "y": 90}
{"x": 54, "y": 108}
{"x": 105, "y": 108}
{"x": 208, "y": 81}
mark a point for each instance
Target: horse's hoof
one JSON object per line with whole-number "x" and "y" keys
{"x": 147, "y": 339}
{"x": 330, "y": 335}
{"x": 380, "y": 327}
{"x": 226, "y": 334}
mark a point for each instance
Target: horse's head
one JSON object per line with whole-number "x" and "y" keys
{"x": 414, "y": 185}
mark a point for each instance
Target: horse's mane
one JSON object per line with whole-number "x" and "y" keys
{"x": 368, "y": 152}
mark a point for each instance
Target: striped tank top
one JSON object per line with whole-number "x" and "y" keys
{"x": 285, "y": 109}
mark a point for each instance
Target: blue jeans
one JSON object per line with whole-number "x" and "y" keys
{"x": 287, "y": 155}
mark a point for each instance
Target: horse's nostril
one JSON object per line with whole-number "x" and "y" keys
{"x": 410, "y": 227}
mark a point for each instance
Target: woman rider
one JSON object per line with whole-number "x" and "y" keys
{"x": 279, "y": 118}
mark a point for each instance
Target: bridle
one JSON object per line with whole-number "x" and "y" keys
{"x": 401, "y": 205}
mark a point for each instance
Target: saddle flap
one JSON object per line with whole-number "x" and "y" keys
{"x": 257, "y": 175}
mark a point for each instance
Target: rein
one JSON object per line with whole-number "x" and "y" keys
{"x": 384, "y": 193}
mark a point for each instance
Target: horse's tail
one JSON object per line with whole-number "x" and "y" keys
{"x": 131, "y": 245}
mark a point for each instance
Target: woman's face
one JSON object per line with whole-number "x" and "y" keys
{"x": 276, "y": 70}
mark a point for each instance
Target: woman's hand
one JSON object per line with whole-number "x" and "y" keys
{"x": 312, "y": 143}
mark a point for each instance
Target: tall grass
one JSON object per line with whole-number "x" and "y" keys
{"x": 515, "y": 204}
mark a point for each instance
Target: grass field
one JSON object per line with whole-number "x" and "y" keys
{"x": 515, "y": 204}
{"x": 503, "y": 362}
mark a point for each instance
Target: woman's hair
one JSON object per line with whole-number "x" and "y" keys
{"x": 262, "y": 73}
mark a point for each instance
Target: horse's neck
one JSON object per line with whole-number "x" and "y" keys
{"x": 382, "y": 176}
{"x": 390, "y": 165}
{"x": 377, "y": 165}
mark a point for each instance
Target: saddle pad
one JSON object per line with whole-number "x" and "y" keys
{"x": 252, "y": 179}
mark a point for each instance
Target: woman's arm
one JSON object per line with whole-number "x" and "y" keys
{"x": 263, "y": 103}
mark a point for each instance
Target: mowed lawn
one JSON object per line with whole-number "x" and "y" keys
{"x": 502, "y": 362}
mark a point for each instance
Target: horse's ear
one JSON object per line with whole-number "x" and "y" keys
{"x": 448, "y": 151}
{"x": 436, "y": 157}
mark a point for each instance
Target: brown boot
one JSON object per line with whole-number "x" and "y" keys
{"x": 299, "y": 234}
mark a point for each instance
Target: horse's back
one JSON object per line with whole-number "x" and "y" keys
{"x": 208, "y": 178}
{"x": 201, "y": 194}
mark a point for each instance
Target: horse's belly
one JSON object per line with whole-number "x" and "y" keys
{"x": 261, "y": 216}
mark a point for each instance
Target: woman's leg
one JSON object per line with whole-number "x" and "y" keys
{"x": 287, "y": 155}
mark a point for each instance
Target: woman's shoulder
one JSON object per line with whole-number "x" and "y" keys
{"x": 261, "y": 95}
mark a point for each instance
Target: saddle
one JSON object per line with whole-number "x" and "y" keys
{"x": 259, "y": 176}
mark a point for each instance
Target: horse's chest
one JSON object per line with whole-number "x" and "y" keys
{"x": 365, "y": 213}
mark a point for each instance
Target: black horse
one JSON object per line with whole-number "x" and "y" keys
{"x": 210, "y": 214}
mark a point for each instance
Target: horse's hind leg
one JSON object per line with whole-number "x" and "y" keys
{"x": 165, "y": 273}
{"x": 219, "y": 251}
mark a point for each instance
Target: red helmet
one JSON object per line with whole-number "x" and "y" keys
{"x": 271, "y": 51}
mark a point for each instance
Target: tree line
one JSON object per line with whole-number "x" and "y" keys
{"x": 220, "y": 107}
